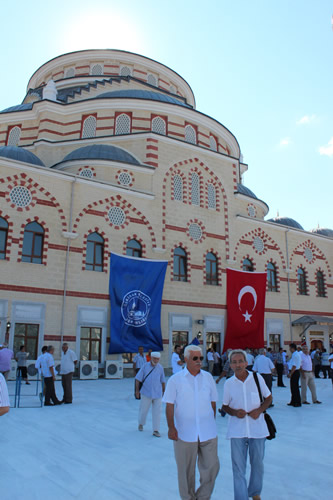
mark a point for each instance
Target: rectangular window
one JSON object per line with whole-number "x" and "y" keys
{"x": 26, "y": 334}
{"x": 90, "y": 343}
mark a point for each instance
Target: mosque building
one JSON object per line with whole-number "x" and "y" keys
{"x": 108, "y": 153}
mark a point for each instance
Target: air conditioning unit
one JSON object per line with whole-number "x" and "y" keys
{"x": 57, "y": 365}
{"x": 13, "y": 368}
{"x": 32, "y": 370}
{"x": 88, "y": 369}
{"x": 113, "y": 369}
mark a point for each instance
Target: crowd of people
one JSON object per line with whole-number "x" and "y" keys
{"x": 190, "y": 396}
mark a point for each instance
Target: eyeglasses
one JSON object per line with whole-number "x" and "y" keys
{"x": 195, "y": 358}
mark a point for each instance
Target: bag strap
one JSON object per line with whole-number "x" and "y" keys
{"x": 258, "y": 387}
{"x": 147, "y": 375}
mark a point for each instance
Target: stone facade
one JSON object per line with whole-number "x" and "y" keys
{"x": 175, "y": 176}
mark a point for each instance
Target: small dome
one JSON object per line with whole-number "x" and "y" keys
{"x": 246, "y": 191}
{"x": 101, "y": 152}
{"x": 142, "y": 94}
{"x": 286, "y": 221}
{"x": 323, "y": 231}
{"x": 20, "y": 154}
{"x": 19, "y": 107}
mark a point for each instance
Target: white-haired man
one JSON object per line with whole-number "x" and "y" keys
{"x": 190, "y": 399}
{"x": 152, "y": 379}
{"x": 247, "y": 429}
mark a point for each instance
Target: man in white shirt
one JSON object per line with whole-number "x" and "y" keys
{"x": 67, "y": 367}
{"x": 307, "y": 377}
{"x": 294, "y": 366}
{"x": 265, "y": 366}
{"x": 247, "y": 429}
{"x": 139, "y": 360}
{"x": 190, "y": 399}
{"x": 153, "y": 386}
{"x": 176, "y": 362}
{"x": 47, "y": 368}
{"x": 4, "y": 398}
{"x": 210, "y": 359}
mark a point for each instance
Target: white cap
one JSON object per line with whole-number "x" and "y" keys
{"x": 155, "y": 354}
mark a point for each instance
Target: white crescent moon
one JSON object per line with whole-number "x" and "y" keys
{"x": 248, "y": 289}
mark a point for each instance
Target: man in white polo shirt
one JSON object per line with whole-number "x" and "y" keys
{"x": 247, "y": 429}
{"x": 4, "y": 398}
{"x": 190, "y": 399}
{"x": 67, "y": 367}
{"x": 294, "y": 365}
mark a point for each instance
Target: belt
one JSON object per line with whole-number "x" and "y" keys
{"x": 307, "y": 371}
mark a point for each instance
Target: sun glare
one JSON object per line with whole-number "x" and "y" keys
{"x": 103, "y": 30}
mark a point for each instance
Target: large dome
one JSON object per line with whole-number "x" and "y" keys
{"x": 101, "y": 152}
{"x": 20, "y": 154}
{"x": 142, "y": 94}
{"x": 286, "y": 221}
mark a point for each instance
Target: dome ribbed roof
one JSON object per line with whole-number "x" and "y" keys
{"x": 286, "y": 221}
{"x": 101, "y": 152}
{"x": 323, "y": 231}
{"x": 142, "y": 94}
{"x": 246, "y": 191}
{"x": 20, "y": 154}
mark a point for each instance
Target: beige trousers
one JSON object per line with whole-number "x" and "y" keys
{"x": 308, "y": 381}
{"x": 186, "y": 454}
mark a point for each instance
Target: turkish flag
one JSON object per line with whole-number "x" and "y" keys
{"x": 246, "y": 293}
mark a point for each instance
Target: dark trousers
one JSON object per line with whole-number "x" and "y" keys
{"x": 279, "y": 369}
{"x": 294, "y": 389}
{"x": 325, "y": 370}
{"x": 268, "y": 380}
{"x": 50, "y": 394}
{"x": 317, "y": 369}
{"x": 66, "y": 381}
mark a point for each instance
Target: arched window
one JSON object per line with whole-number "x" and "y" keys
{"x": 123, "y": 124}
{"x": 33, "y": 239}
{"x": 97, "y": 69}
{"x": 125, "y": 71}
{"x": 89, "y": 127}
{"x": 95, "y": 252}
{"x": 321, "y": 291}
{"x": 195, "y": 189}
{"x": 211, "y": 269}
{"x": 152, "y": 80}
{"x": 271, "y": 278}
{"x": 212, "y": 143}
{"x": 179, "y": 264}
{"x": 3, "y": 237}
{"x": 158, "y": 125}
{"x": 247, "y": 265}
{"x": 134, "y": 249}
{"x": 14, "y": 136}
{"x": 301, "y": 279}
{"x": 190, "y": 134}
{"x": 177, "y": 188}
{"x": 211, "y": 193}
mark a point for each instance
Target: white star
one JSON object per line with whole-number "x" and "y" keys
{"x": 247, "y": 316}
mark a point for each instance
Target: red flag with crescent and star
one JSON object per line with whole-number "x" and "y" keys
{"x": 246, "y": 293}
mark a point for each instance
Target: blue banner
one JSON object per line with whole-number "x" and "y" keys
{"x": 136, "y": 288}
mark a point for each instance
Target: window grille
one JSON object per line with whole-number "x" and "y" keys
{"x": 212, "y": 143}
{"x": 97, "y": 69}
{"x": 178, "y": 188}
{"x": 87, "y": 172}
{"x": 20, "y": 196}
{"x": 125, "y": 71}
{"x": 89, "y": 127}
{"x": 124, "y": 178}
{"x": 69, "y": 73}
{"x": 152, "y": 80}
{"x": 116, "y": 216}
{"x": 195, "y": 231}
{"x": 211, "y": 196}
{"x": 258, "y": 244}
{"x": 190, "y": 134}
{"x": 14, "y": 136}
{"x": 123, "y": 124}
{"x": 195, "y": 189}
{"x": 158, "y": 125}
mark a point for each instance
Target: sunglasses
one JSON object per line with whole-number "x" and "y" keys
{"x": 195, "y": 358}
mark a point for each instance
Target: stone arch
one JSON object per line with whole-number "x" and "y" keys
{"x": 317, "y": 254}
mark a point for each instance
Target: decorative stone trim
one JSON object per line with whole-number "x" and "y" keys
{"x": 9, "y": 241}
{"x": 188, "y": 261}
{"x": 270, "y": 244}
{"x": 306, "y": 280}
{"x": 317, "y": 254}
{"x": 106, "y": 252}
{"x": 139, "y": 240}
{"x": 119, "y": 178}
{"x": 277, "y": 274}
{"x": 319, "y": 269}
{"x": 191, "y": 228}
{"x": 247, "y": 256}
{"x": 45, "y": 239}
{"x": 219, "y": 266}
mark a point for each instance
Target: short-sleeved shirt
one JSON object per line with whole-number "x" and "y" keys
{"x": 139, "y": 361}
{"x": 67, "y": 362}
{"x": 263, "y": 364}
{"x": 6, "y": 355}
{"x": 192, "y": 397}
{"x": 46, "y": 362}
{"x": 22, "y": 358}
{"x": 295, "y": 360}
{"x": 4, "y": 398}
{"x": 245, "y": 396}
{"x": 152, "y": 386}
{"x": 174, "y": 363}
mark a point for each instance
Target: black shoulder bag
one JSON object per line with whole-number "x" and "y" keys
{"x": 268, "y": 419}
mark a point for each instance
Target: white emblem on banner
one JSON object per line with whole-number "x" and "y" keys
{"x": 244, "y": 290}
{"x": 135, "y": 308}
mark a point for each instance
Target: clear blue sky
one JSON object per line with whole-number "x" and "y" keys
{"x": 262, "y": 68}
